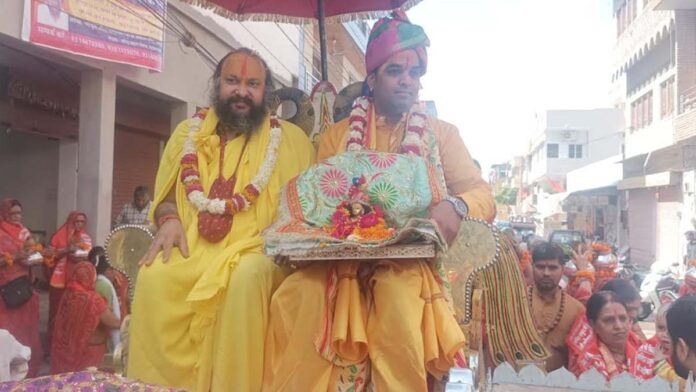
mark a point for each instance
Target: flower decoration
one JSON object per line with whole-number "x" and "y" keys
{"x": 357, "y": 219}
{"x": 601, "y": 248}
{"x": 414, "y": 137}
{"x": 525, "y": 259}
{"x": 190, "y": 175}
{"x": 9, "y": 260}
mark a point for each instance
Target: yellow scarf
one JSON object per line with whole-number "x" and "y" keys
{"x": 295, "y": 154}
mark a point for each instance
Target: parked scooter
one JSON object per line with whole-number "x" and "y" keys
{"x": 661, "y": 286}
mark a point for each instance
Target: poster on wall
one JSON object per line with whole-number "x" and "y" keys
{"x": 123, "y": 31}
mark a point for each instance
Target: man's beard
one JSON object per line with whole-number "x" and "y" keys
{"x": 678, "y": 366}
{"x": 245, "y": 123}
{"x": 545, "y": 287}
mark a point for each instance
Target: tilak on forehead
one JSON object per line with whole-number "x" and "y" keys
{"x": 244, "y": 66}
{"x": 393, "y": 35}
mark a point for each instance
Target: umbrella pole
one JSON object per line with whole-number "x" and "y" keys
{"x": 322, "y": 41}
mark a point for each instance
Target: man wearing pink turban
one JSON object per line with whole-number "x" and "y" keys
{"x": 339, "y": 326}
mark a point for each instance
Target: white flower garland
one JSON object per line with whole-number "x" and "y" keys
{"x": 190, "y": 176}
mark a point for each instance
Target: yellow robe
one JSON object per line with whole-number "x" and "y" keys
{"x": 407, "y": 331}
{"x": 199, "y": 323}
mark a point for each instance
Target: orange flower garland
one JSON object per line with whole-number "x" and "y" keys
{"x": 600, "y": 247}
{"x": 525, "y": 260}
{"x": 378, "y": 232}
{"x": 9, "y": 260}
{"x": 585, "y": 274}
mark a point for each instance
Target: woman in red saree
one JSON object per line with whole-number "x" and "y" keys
{"x": 599, "y": 339}
{"x": 22, "y": 321}
{"x": 82, "y": 323}
{"x": 70, "y": 243}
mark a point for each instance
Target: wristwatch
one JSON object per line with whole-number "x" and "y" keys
{"x": 459, "y": 205}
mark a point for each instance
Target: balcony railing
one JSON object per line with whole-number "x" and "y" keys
{"x": 687, "y": 100}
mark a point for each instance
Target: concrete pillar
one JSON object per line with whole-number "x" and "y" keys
{"x": 180, "y": 111}
{"x": 67, "y": 179}
{"x": 96, "y": 150}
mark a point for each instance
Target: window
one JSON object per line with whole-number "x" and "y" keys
{"x": 667, "y": 94}
{"x": 552, "y": 150}
{"x": 641, "y": 112}
{"x": 625, "y": 14}
{"x": 575, "y": 151}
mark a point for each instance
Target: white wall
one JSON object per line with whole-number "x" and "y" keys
{"x": 22, "y": 152}
{"x": 607, "y": 172}
{"x": 277, "y": 43}
{"x": 599, "y": 131}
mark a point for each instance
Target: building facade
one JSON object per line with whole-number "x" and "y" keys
{"x": 654, "y": 81}
{"x": 567, "y": 140}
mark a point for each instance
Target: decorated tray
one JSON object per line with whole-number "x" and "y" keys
{"x": 358, "y": 205}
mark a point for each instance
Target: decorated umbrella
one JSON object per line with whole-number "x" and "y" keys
{"x": 304, "y": 11}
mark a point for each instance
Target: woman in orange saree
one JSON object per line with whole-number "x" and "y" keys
{"x": 69, "y": 243}
{"x": 20, "y": 319}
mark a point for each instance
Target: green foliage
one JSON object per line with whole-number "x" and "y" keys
{"x": 507, "y": 196}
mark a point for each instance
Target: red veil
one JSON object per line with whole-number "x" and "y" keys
{"x": 16, "y": 230}
{"x": 65, "y": 236}
{"x": 76, "y": 320}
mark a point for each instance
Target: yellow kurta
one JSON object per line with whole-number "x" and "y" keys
{"x": 199, "y": 323}
{"x": 407, "y": 331}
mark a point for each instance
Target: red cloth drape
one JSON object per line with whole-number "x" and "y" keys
{"x": 76, "y": 321}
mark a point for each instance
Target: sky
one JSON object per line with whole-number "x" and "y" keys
{"x": 493, "y": 65}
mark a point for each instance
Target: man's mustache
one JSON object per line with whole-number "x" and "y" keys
{"x": 237, "y": 99}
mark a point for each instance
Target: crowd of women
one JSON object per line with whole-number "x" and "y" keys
{"x": 87, "y": 298}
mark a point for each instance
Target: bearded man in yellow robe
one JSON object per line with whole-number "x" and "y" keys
{"x": 408, "y": 331}
{"x": 200, "y": 311}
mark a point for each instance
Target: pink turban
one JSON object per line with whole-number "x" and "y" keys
{"x": 393, "y": 35}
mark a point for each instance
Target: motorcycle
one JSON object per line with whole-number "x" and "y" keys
{"x": 627, "y": 270}
{"x": 661, "y": 286}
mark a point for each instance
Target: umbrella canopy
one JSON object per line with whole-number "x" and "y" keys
{"x": 304, "y": 11}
